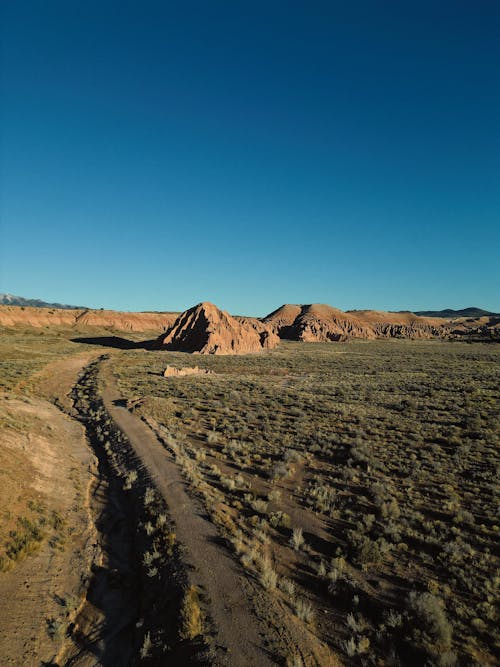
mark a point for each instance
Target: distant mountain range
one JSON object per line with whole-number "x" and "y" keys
{"x": 448, "y": 313}
{"x": 12, "y": 300}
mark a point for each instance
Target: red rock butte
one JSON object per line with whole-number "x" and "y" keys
{"x": 205, "y": 329}
{"x": 319, "y": 322}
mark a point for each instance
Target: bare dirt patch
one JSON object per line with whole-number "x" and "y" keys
{"x": 45, "y": 471}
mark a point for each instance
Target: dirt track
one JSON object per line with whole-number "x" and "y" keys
{"x": 238, "y": 640}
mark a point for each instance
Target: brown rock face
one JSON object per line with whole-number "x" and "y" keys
{"x": 316, "y": 323}
{"x": 401, "y": 325}
{"x": 205, "y": 329}
{"x": 11, "y": 316}
{"x": 322, "y": 323}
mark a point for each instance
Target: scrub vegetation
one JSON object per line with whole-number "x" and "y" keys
{"x": 357, "y": 482}
{"x": 354, "y": 485}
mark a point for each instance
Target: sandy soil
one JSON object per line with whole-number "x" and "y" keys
{"x": 53, "y": 466}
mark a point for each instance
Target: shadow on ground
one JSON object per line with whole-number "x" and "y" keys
{"x": 117, "y": 342}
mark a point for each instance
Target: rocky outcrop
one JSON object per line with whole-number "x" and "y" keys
{"x": 208, "y": 330}
{"x": 322, "y": 323}
{"x": 171, "y": 371}
{"x": 316, "y": 323}
{"x": 485, "y": 328}
{"x": 205, "y": 329}
{"x": 401, "y": 325}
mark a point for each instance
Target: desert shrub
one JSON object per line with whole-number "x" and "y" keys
{"x": 130, "y": 479}
{"x": 268, "y": 577}
{"x": 287, "y": 587}
{"x": 55, "y": 627}
{"x": 430, "y": 633}
{"x": 259, "y": 506}
{"x": 353, "y": 647}
{"x": 146, "y": 646}
{"x": 274, "y": 495}
{"x": 365, "y": 550}
{"x": 280, "y": 471}
{"x": 22, "y": 543}
{"x": 304, "y": 610}
{"x": 191, "y": 617}
{"x": 279, "y": 519}
{"x": 294, "y": 660}
{"x": 149, "y": 496}
{"x": 297, "y": 539}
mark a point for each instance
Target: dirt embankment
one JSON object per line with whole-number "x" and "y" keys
{"x": 138, "y": 583}
{"x": 46, "y": 470}
{"x": 11, "y": 316}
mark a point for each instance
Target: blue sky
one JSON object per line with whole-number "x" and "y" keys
{"x": 156, "y": 154}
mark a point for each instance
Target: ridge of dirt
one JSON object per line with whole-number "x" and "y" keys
{"x": 54, "y": 470}
{"x": 11, "y": 316}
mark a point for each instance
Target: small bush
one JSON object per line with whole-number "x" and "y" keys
{"x": 304, "y": 610}
{"x": 268, "y": 577}
{"x": 191, "y": 618}
{"x": 297, "y": 539}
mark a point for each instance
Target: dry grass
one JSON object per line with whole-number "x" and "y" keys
{"x": 384, "y": 453}
{"x": 191, "y": 617}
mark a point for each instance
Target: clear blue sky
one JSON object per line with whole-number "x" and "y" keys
{"x": 156, "y": 154}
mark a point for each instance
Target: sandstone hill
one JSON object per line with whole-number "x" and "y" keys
{"x": 205, "y": 329}
{"x": 401, "y": 325}
{"x": 320, "y": 323}
{"x": 209, "y": 330}
{"x": 316, "y": 323}
{"x": 11, "y": 316}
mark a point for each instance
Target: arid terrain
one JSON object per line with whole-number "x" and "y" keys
{"x": 315, "y": 487}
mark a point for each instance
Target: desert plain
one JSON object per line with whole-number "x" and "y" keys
{"x": 313, "y": 487}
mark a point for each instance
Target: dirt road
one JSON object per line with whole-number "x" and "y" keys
{"x": 239, "y": 639}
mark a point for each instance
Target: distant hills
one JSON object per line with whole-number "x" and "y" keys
{"x": 12, "y": 300}
{"x": 206, "y": 329}
{"x": 448, "y": 313}
{"x": 471, "y": 312}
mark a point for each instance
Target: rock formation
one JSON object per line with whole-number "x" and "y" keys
{"x": 205, "y": 329}
{"x": 208, "y": 330}
{"x": 321, "y": 323}
{"x": 11, "y": 316}
{"x": 401, "y": 325}
{"x": 316, "y": 323}
{"x": 171, "y": 371}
